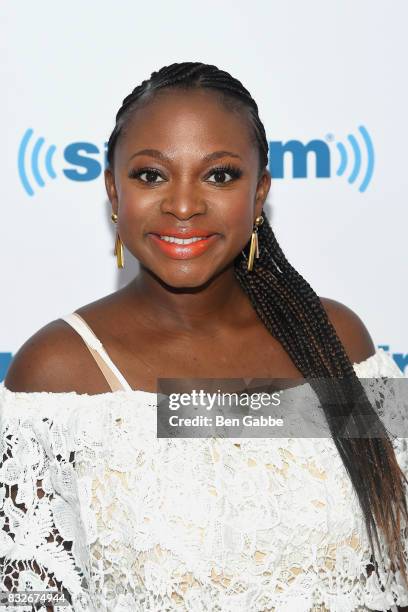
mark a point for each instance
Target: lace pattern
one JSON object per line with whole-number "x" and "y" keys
{"x": 93, "y": 503}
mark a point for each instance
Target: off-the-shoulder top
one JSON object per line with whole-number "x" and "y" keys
{"x": 94, "y": 504}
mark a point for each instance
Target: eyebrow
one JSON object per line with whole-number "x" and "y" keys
{"x": 162, "y": 157}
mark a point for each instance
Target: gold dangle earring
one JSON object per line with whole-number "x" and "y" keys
{"x": 118, "y": 245}
{"x": 254, "y": 248}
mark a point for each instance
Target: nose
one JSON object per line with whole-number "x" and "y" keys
{"x": 184, "y": 201}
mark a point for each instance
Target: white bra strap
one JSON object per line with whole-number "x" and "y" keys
{"x": 98, "y": 352}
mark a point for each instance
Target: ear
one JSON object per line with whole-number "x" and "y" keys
{"x": 111, "y": 189}
{"x": 262, "y": 190}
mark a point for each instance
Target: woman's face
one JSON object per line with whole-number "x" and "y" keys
{"x": 173, "y": 186}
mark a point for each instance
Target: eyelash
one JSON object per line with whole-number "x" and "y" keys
{"x": 235, "y": 173}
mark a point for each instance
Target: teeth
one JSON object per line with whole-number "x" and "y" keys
{"x": 182, "y": 240}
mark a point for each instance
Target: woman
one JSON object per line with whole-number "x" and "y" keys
{"x": 165, "y": 525}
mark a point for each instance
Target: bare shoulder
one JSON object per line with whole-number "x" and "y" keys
{"x": 350, "y": 329}
{"x": 54, "y": 359}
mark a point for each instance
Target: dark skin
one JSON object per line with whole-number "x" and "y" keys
{"x": 169, "y": 319}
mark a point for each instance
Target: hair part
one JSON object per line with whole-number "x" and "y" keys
{"x": 293, "y": 313}
{"x": 194, "y": 77}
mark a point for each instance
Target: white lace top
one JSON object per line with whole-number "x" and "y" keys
{"x": 126, "y": 521}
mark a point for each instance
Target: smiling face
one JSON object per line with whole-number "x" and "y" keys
{"x": 186, "y": 164}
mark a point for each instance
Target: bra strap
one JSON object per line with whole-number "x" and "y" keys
{"x": 113, "y": 376}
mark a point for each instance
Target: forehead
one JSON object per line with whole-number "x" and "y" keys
{"x": 188, "y": 121}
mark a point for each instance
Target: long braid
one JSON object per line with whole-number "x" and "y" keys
{"x": 293, "y": 313}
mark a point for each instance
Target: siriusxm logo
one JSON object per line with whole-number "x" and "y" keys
{"x": 80, "y": 155}
{"x": 86, "y": 161}
{"x": 322, "y": 152}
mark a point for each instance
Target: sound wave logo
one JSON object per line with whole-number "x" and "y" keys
{"x": 356, "y": 162}
{"x": 86, "y": 161}
{"x": 22, "y": 165}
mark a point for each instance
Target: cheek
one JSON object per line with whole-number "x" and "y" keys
{"x": 238, "y": 219}
{"x": 134, "y": 214}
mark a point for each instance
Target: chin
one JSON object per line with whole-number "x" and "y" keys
{"x": 184, "y": 277}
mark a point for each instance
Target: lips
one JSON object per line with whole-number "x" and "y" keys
{"x": 184, "y": 251}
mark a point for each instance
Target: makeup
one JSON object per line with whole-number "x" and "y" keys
{"x": 191, "y": 248}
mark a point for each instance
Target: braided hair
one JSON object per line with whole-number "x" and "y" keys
{"x": 293, "y": 313}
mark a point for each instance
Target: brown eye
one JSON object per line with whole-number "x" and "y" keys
{"x": 221, "y": 171}
{"x": 151, "y": 175}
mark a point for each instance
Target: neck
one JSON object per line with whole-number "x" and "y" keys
{"x": 219, "y": 302}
